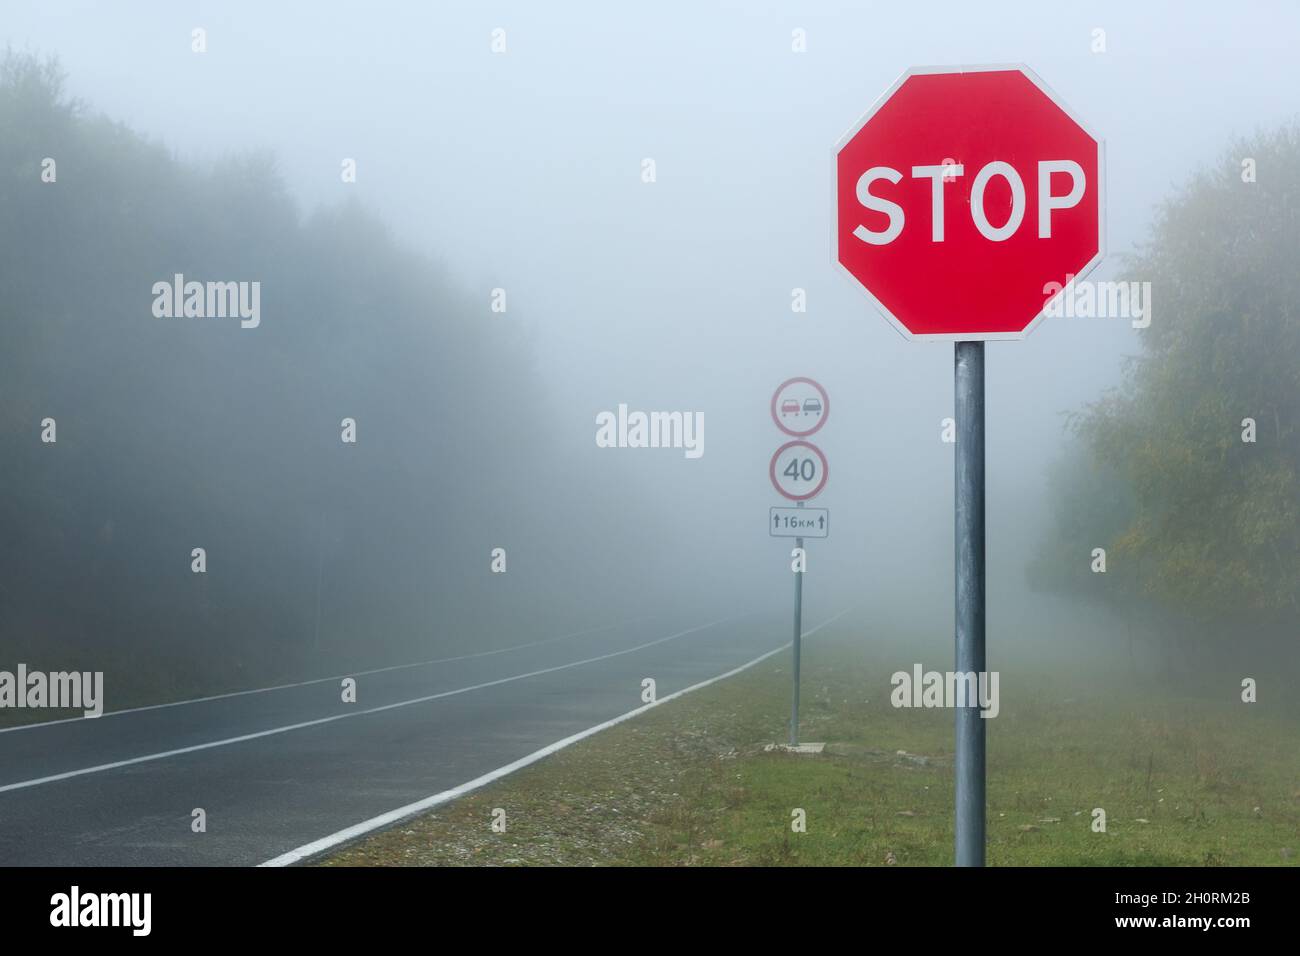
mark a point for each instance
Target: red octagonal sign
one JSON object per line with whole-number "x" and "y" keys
{"x": 966, "y": 200}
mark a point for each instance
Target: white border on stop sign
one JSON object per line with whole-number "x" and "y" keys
{"x": 1069, "y": 286}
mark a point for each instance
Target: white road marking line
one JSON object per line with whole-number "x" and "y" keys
{"x": 36, "y": 782}
{"x": 324, "y": 680}
{"x": 316, "y": 847}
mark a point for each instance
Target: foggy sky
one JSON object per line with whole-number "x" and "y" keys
{"x": 522, "y": 171}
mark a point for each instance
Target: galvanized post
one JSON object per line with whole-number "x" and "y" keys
{"x": 968, "y": 379}
{"x": 320, "y": 577}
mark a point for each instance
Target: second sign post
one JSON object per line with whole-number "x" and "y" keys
{"x": 798, "y": 471}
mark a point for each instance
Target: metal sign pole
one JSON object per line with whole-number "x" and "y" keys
{"x": 788, "y": 401}
{"x": 798, "y": 636}
{"x": 320, "y": 577}
{"x": 968, "y": 380}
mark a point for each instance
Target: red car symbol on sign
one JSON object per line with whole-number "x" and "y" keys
{"x": 800, "y": 406}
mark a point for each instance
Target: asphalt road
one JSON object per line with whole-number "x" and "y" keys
{"x": 278, "y": 769}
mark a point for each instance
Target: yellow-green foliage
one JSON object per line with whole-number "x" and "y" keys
{"x": 1215, "y": 522}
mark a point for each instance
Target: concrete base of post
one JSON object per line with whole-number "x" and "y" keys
{"x": 804, "y": 748}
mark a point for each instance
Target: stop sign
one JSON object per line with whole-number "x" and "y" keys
{"x": 965, "y": 200}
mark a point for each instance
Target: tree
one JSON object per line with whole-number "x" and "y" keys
{"x": 1215, "y": 523}
{"x": 177, "y": 433}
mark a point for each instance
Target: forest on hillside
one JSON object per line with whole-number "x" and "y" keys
{"x": 171, "y": 434}
{"x": 1188, "y": 474}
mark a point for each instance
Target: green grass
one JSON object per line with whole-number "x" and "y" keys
{"x": 1216, "y": 781}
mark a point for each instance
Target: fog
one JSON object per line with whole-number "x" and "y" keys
{"x": 522, "y": 171}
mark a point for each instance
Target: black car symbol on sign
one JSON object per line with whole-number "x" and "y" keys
{"x": 812, "y": 406}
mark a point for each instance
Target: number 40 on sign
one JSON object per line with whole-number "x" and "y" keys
{"x": 798, "y": 470}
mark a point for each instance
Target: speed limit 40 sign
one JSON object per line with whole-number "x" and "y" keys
{"x": 798, "y": 470}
